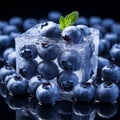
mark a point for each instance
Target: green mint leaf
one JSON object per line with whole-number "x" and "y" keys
{"x": 70, "y": 19}
{"x": 62, "y": 22}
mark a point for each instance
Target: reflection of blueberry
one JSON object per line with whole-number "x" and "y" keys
{"x": 16, "y": 103}
{"x": 28, "y": 52}
{"x": 111, "y": 73}
{"x": 47, "y": 93}
{"x": 48, "y": 69}
{"x": 84, "y": 92}
{"x": 107, "y": 111}
{"x": 47, "y": 112}
{"x": 49, "y": 51}
{"x": 17, "y": 85}
{"x": 67, "y": 80}
{"x": 27, "y": 68}
{"x": 72, "y": 34}
{"x": 70, "y": 60}
{"x": 107, "y": 92}
{"x": 50, "y": 29}
{"x": 83, "y": 108}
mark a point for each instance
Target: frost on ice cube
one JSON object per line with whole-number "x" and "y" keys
{"x": 87, "y": 50}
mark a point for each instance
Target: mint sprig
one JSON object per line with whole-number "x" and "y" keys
{"x": 70, "y": 19}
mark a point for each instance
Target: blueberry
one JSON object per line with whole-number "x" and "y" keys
{"x": 8, "y": 77}
{"x": 72, "y": 34}
{"x": 84, "y": 29}
{"x": 28, "y": 51}
{"x": 50, "y": 29}
{"x": 116, "y": 28}
{"x": 28, "y": 23}
{"x": 94, "y": 20}
{"x": 5, "y": 71}
{"x": 16, "y": 20}
{"x": 34, "y": 82}
{"x": 69, "y": 60}
{"x": 12, "y": 59}
{"x": 47, "y": 112}
{"x": 112, "y": 37}
{"x": 48, "y": 70}
{"x": 102, "y": 62}
{"x": 2, "y": 62}
{"x": 6, "y": 52}
{"x": 27, "y": 68}
{"x": 67, "y": 80}
{"x": 54, "y": 16}
{"x": 107, "y": 92}
{"x": 108, "y": 22}
{"x": 17, "y": 86}
{"x": 84, "y": 92}
{"x": 10, "y": 28}
{"x": 101, "y": 47}
{"x": 115, "y": 52}
{"x": 107, "y": 111}
{"x": 47, "y": 93}
{"x": 46, "y": 49}
{"x": 82, "y": 21}
{"x": 3, "y": 24}
{"x": 111, "y": 73}
{"x": 5, "y": 41}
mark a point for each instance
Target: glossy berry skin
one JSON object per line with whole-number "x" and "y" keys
{"x": 10, "y": 28}
{"x": 17, "y": 85}
{"x": 28, "y": 23}
{"x": 111, "y": 73}
{"x": 27, "y": 68}
{"x": 5, "y": 41}
{"x": 28, "y": 52}
{"x": 72, "y": 34}
{"x": 84, "y": 92}
{"x": 69, "y": 60}
{"x": 107, "y": 92}
{"x": 49, "y": 51}
{"x": 67, "y": 80}
{"x": 5, "y": 71}
{"x": 47, "y": 93}
{"x": 48, "y": 70}
{"x": 115, "y": 52}
{"x": 84, "y": 29}
{"x": 34, "y": 82}
{"x": 50, "y": 29}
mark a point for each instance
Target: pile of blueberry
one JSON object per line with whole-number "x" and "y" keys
{"x": 32, "y": 81}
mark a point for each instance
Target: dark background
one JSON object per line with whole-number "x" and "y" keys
{"x": 40, "y": 8}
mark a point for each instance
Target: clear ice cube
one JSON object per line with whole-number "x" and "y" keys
{"x": 88, "y": 50}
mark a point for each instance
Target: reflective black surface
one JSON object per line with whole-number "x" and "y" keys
{"x": 28, "y": 108}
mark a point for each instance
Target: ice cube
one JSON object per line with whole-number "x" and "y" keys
{"x": 87, "y": 50}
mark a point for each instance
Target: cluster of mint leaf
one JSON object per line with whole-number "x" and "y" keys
{"x": 69, "y": 20}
